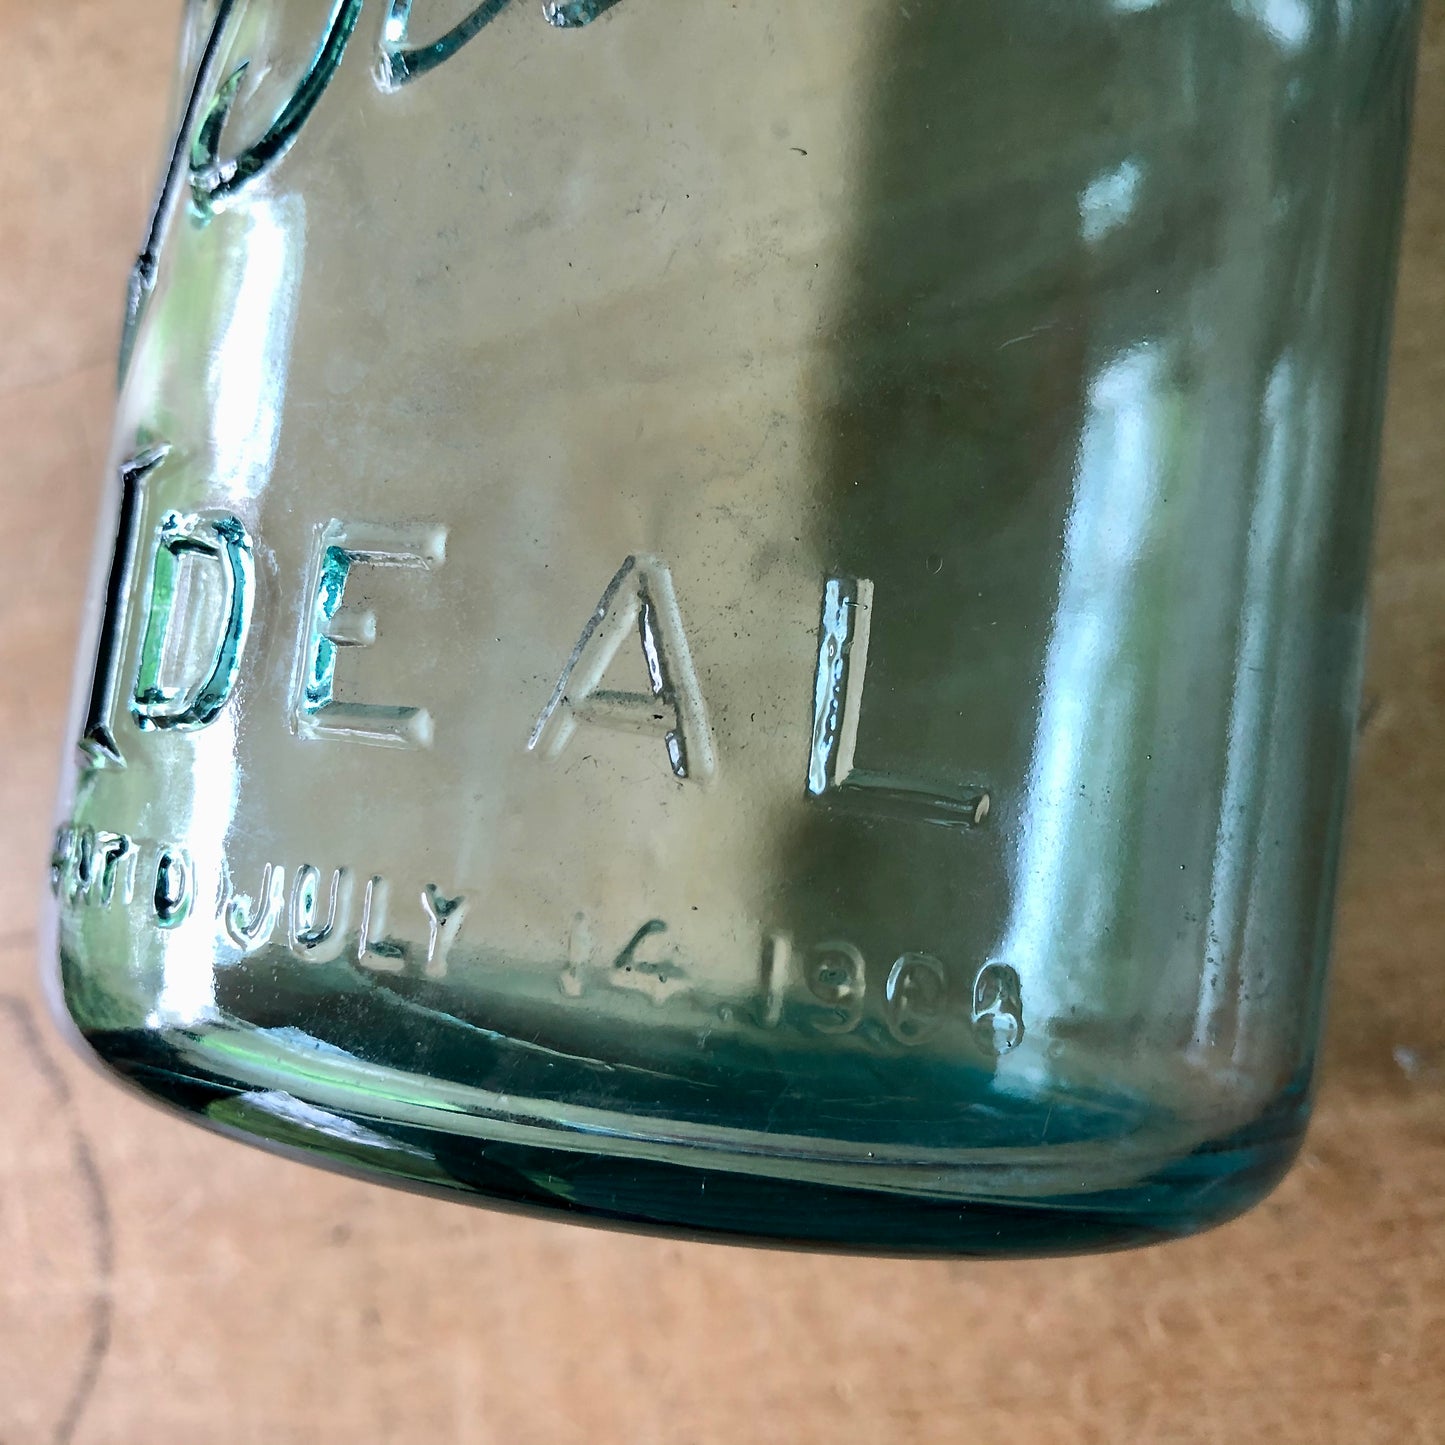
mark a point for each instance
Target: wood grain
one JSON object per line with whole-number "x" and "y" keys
{"x": 157, "y": 1284}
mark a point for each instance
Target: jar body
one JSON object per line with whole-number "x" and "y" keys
{"x": 728, "y": 620}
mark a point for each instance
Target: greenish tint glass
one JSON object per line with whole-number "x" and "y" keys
{"x": 745, "y": 618}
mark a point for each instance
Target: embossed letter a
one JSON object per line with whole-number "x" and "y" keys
{"x": 640, "y": 596}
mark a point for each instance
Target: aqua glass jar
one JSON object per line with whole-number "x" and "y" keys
{"x": 741, "y": 617}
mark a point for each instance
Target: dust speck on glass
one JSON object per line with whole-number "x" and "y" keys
{"x": 738, "y": 619}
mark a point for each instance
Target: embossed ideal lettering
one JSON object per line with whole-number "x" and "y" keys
{"x": 315, "y": 939}
{"x": 838, "y": 686}
{"x": 250, "y": 921}
{"x": 202, "y": 569}
{"x": 97, "y": 739}
{"x": 317, "y": 712}
{"x": 844, "y": 636}
{"x": 640, "y": 596}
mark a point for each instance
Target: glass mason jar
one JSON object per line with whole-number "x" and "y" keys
{"x": 741, "y": 617}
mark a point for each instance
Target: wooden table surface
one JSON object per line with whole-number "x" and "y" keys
{"x": 158, "y": 1284}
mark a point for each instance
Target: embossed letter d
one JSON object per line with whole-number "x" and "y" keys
{"x": 196, "y": 621}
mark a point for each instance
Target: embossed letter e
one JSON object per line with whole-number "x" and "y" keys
{"x": 317, "y": 711}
